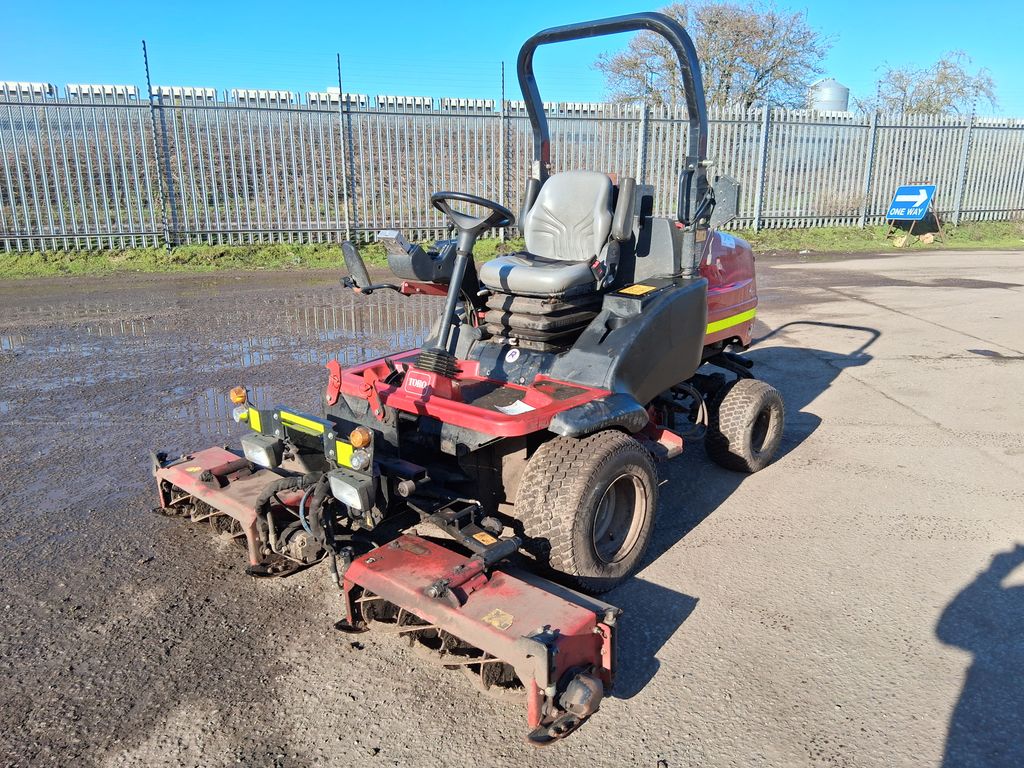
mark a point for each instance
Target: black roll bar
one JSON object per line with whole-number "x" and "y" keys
{"x": 693, "y": 85}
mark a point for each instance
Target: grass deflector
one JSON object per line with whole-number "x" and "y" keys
{"x": 474, "y": 495}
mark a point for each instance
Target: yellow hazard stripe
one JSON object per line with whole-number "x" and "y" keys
{"x": 254, "y": 420}
{"x": 294, "y": 420}
{"x": 728, "y": 322}
{"x": 344, "y": 451}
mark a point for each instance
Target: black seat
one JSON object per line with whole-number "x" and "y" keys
{"x": 568, "y": 233}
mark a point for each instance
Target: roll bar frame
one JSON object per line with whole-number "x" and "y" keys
{"x": 693, "y": 176}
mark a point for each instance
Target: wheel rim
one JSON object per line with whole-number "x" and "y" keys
{"x": 760, "y": 431}
{"x": 619, "y": 519}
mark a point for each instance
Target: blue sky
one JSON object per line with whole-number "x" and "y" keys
{"x": 448, "y": 49}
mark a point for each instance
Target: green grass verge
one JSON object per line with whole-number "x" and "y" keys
{"x": 208, "y": 258}
{"x": 969, "y": 235}
{"x": 205, "y": 258}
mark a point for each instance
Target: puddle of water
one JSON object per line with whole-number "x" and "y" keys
{"x": 108, "y": 357}
{"x": 208, "y": 412}
{"x": 136, "y": 328}
{"x": 11, "y": 343}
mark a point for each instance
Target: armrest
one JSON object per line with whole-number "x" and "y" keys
{"x": 625, "y": 210}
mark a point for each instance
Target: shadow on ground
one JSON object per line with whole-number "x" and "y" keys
{"x": 987, "y": 619}
{"x": 695, "y": 487}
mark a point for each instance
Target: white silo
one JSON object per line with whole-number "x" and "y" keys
{"x": 828, "y": 95}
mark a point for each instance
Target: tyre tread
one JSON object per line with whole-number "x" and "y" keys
{"x": 729, "y": 415}
{"x": 552, "y": 488}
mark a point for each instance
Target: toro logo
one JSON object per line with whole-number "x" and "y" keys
{"x": 417, "y": 383}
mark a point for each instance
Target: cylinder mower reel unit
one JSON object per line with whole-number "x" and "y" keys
{"x": 475, "y": 494}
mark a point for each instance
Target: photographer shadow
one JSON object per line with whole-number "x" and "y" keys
{"x": 987, "y": 619}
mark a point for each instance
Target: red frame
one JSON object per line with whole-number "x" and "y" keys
{"x": 419, "y": 400}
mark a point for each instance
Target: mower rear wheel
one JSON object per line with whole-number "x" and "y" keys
{"x": 587, "y": 508}
{"x": 745, "y": 422}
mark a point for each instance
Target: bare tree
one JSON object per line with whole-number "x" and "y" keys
{"x": 749, "y": 55}
{"x": 945, "y": 87}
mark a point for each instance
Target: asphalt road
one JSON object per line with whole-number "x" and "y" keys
{"x": 858, "y": 603}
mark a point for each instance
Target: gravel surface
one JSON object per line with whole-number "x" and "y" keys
{"x": 859, "y": 602}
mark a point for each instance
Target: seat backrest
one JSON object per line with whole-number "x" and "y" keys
{"x": 571, "y": 218}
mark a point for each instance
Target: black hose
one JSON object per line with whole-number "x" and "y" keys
{"x": 300, "y": 483}
{"x": 315, "y": 511}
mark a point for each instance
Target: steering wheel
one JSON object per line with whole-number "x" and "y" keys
{"x": 497, "y": 215}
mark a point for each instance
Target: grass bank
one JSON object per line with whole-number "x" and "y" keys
{"x": 204, "y": 258}
{"x": 208, "y": 258}
{"x": 975, "y": 235}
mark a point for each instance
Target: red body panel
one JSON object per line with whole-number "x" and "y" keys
{"x": 499, "y": 616}
{"x": 732, "y": 289}
{"x": 415, "y": 396}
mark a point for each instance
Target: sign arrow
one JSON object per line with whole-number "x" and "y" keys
{"x": 917, "y": 200}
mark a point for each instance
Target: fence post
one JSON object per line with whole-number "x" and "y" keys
{"x": 869, "y": 169}
{"x": 343, "y": 108}
{"x": 503, "y": 153}
{"x": 961, "y": 178}
{"x": 762, "y": 170}
{"x": 165, "y": 182}
{"x": 641, "y": 151}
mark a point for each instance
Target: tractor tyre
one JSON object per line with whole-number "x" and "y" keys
{"x": 586, "y": 506}
{"x": 745, "y": 423}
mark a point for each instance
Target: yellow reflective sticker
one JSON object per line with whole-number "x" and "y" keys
{"x": 343, "y": 453}
{"x": 499, "y": 618}
{"x": 254, "y": 420}
{"x": 193, "y": 469}
{"x": 307, "y": 425}
{"x": 484, "y": 538}
{"x": 638, "y": 290}
{"x": 728, "y": 322}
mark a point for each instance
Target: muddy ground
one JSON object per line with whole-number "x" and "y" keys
{"x": 826, "y": 612}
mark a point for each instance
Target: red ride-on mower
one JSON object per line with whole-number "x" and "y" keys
{"x": 474, "y": 494}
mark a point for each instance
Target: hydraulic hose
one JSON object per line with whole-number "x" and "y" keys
{"x": 300, "y": 483}
{"x": 316, "y": 504}
{"x": 302, "y": 511}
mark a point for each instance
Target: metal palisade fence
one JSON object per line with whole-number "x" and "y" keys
{"x": 116, "y": 173}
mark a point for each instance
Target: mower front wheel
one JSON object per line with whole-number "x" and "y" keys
{"x": 587, "y": 508}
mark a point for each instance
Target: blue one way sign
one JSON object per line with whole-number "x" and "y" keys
{"x": 911, "y": 203}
